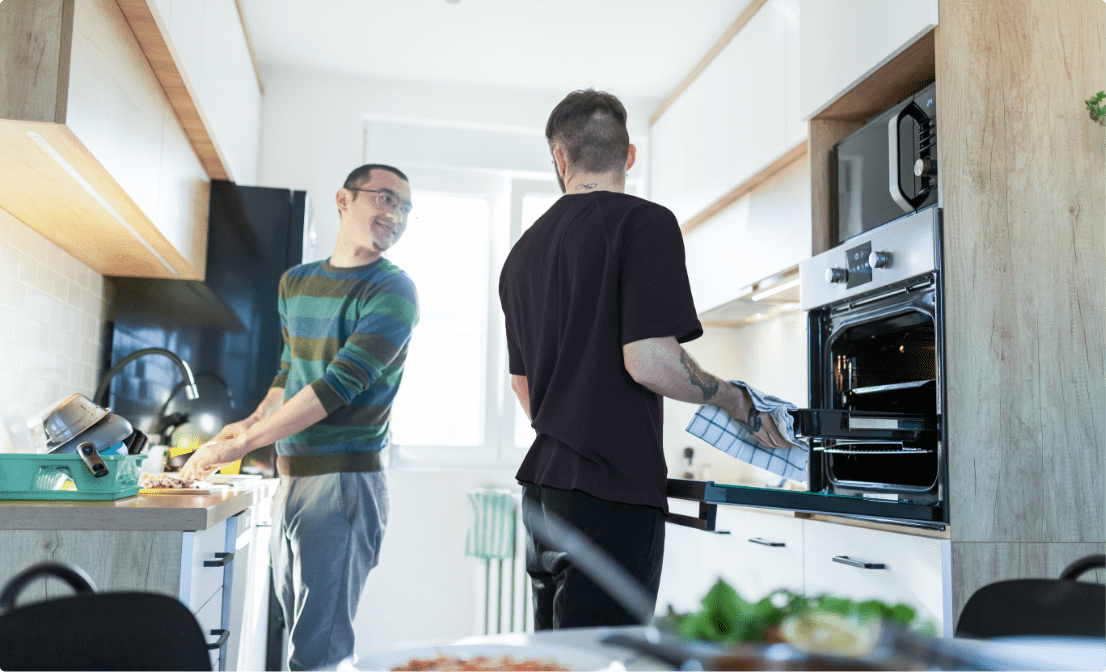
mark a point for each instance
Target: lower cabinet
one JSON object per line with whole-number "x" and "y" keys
{"x": 862, "y": 564}
{"x": 759, "y": 552}
{"x": 207, "y": 582}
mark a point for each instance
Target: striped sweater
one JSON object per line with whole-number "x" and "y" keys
{"x": 346, "y": 332}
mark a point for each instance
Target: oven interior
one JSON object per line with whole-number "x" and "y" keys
{"x": 887, "y": 363}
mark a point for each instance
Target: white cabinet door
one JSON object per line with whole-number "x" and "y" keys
{"x": 199, "y": 582}
{"x": 705, "y": 131}
{"x": 682, "y": 584}
{"x": 210, "y": 618}
{"x": 843, "y": 41}
{"x": 666, "y": 165}
{"x": 756, "y": 91}
{"x": 721, "y": 556}
{"x": 772, "y": 546}
{"x": 862, "y": 564}
{"x": 795, "y": 130}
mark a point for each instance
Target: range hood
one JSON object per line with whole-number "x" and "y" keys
{"x": 767, "y": 298}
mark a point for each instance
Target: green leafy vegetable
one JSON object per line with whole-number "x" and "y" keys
{"x": 727, "y": 617}
{"x": 1095, "y": 109}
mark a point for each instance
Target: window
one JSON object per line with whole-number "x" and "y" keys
{"x": 445, "y": 249}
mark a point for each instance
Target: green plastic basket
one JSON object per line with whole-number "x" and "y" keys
{"x": 26, "y": 476}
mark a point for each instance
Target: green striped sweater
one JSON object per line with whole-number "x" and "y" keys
{"x": 346, "y": 332}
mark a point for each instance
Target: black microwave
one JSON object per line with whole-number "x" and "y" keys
{"x": 888, "y": 168}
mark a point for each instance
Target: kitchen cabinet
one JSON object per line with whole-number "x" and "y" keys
{"x": 864, "y": 564}
{"x": 214, "y": 58}
{"x": 732, "y": 124}
{"x": 759, "y": 551}
{"x": 95, "y": 157}
{"x": 844, "y": 41}
{"x": 185, "y": 546}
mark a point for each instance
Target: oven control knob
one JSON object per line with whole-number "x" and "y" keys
{"x": 880, "y": 259}
{"x": 836, "y": 275}
{"x": 925, "y": 167}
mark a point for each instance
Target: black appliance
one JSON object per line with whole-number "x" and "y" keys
{"x": 227, "y": 327}
{"x": 877, "y": 384}
{"x": 886, "y": 169}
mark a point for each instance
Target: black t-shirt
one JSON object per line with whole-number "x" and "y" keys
{"x": 595, "y": 272}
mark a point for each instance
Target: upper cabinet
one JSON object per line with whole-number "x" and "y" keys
{"x": 108, "y": 149}
{"x": 213, "y": 57}
{"x": 94, "y": 157}
{"x": 734, "y": 118}
{"x": 844, "y": 41}
{"x": 729, "y": 157}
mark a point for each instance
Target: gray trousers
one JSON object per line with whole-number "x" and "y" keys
{"x": 326, "y": 536}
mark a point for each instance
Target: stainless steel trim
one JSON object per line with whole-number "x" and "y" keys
{"x": 885, "y": 423}
{"x": 903, "y": 451}
{"x": 911, "y": 239}
{"x": 893, "y": 387}
{"x": 846, "y": 560}
{"x": 762, "y": 542}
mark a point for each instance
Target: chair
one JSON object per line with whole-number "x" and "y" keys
{"x": 96, "y": 631}
{"x": 1046, "y": 607}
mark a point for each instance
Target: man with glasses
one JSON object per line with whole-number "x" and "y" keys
{"x": 346, "y": 323}
{"x": 597, "y": 301}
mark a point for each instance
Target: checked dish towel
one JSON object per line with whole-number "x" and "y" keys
{"x": 715, "y": 426}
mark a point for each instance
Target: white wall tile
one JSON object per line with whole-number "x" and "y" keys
{"x": 51, "y": 316}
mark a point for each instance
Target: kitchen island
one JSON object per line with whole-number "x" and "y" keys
{"x": 210, "y": 551}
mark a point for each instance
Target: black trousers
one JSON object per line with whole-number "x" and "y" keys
{"x": 564, "y": 597}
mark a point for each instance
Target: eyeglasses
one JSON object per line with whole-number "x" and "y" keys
{"x": 386, "y": 199}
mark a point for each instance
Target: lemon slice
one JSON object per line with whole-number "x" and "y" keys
{"x": 825, "y": 632}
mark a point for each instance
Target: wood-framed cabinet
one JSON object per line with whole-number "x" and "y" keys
{"x": 94, "y": 157}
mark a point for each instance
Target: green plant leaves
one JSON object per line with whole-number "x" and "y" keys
{"x": 1095, "y": 109}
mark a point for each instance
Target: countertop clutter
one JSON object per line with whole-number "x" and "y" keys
{"x": 178, "y": 511}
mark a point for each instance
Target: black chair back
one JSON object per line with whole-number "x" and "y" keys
{"x": 1047, "y": 607}
{"x": 99, "y": 631}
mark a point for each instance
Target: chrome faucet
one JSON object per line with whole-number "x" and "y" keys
{"x": 190, "y": 389}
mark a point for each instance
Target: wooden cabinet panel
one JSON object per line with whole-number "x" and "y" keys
{"x": 912, "y": 572}
{"x": 116, "y": 560}
{"x": 100, "y": 178}
{"x": 1022, "y": 186}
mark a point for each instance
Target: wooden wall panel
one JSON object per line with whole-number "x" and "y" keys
{"x": 34, "y": 37}
{"x": 116, "y": 560}
{"x": 1022, "y": 188}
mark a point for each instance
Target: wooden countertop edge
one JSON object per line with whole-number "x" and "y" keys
{"x": 180, "y": 513}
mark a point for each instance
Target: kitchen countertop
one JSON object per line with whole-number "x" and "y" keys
{"x": 142, "y": 512}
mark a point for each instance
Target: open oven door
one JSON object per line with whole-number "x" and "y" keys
{"x": 824, "y": 425}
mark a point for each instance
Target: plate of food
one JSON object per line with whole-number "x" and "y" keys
{"x": 488, "y": 657}
{"x": 171, "y": 484}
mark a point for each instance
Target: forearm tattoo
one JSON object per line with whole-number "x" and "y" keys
{"x": 699, "y": 378}
{"x": 754, "y": 422}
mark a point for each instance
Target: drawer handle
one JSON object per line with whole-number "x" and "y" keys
{"x": 221, "y": 560}
{"x": 224, "y": 635}
{"x": 762, "y": 542}
{"x": 846, "y": 560}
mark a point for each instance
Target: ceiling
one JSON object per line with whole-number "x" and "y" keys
{"x": 634, "y": 48}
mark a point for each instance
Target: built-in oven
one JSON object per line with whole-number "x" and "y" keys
{"x": 875, "y": 424}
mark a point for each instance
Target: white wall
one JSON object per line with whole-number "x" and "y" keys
{"x": 312, "y": 126}
{"x": 771, "y": 356}
{"x": 51, "y": 320}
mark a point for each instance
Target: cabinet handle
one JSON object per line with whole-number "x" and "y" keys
{"x": 221, "y": 560}
{"x": 763, "y": 543}
{"x": 224, "y": 635}
{"x": 846, "y": 560}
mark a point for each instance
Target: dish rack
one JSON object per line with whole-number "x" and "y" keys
{"x": 28, "y": 476}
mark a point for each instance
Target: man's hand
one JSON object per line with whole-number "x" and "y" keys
{"x": 211, "y": 457}
{"x": 761, "y": 425}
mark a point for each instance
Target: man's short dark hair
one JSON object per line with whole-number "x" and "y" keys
{"x": 363, "y": 174}
{"x": 591, "y": 127}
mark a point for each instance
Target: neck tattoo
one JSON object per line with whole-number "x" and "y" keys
{"x": 589, "y": 185}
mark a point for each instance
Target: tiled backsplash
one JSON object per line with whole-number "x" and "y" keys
{"x": 51, "y": 319}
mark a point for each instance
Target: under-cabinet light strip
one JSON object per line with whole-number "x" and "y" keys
{"x": 60, "y": 160}
{"x": 776, "y": 290}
